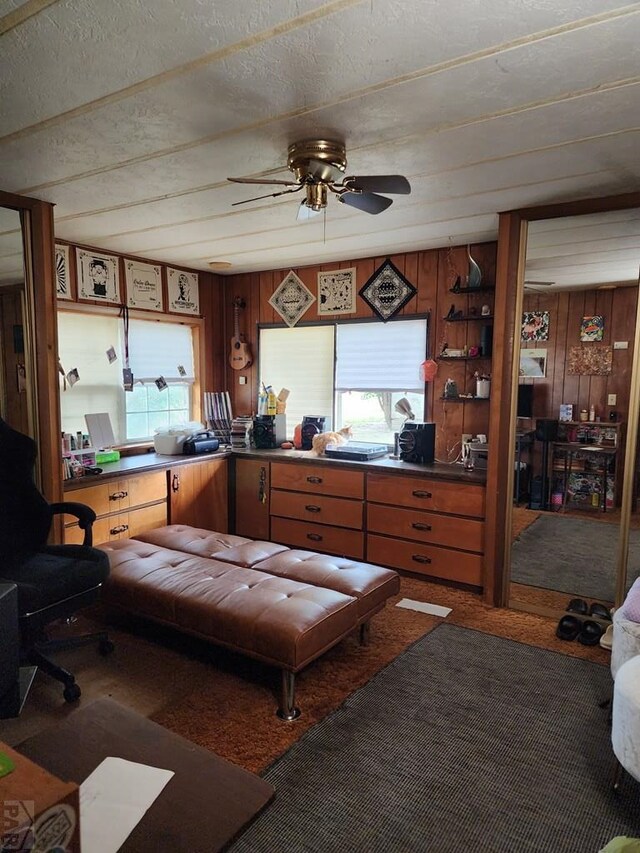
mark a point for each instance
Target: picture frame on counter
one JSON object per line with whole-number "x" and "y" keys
{"x": 183, "y": 291}
{"x": 98, "y": 277}
{"x": 144, "y": 285}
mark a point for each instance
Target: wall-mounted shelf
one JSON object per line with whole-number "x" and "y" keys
{"x": 484, "y": 288}
{"x": 469, "y": 319}
{"x": 465, "y": 399}
{"x": 461, "y": 357}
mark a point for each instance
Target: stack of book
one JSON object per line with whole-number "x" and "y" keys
{"x": 217, "y": 410}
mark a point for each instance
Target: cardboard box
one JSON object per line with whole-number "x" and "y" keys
{"x": 39, "y": 812}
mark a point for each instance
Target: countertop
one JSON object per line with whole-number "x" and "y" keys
{"x": 145, "y": 462}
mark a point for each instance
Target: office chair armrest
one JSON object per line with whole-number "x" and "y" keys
{"x": 85, "y": 515}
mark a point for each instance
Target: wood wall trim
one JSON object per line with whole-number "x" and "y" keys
{"x": 509, "y": 272}
{"x": 580, "y": 208}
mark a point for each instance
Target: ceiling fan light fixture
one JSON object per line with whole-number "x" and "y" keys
{"x": 317, "y": 159}
{"x": 316, "y": 196}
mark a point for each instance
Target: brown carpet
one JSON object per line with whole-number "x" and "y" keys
{"x": 232, "y": 713}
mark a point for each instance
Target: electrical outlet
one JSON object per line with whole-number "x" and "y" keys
{"x": 242, "y": 380}
{"x": 611, "y": 399}
{"x": 621, "y": 344}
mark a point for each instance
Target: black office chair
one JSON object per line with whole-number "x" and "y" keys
{"x": 55, "y": 581}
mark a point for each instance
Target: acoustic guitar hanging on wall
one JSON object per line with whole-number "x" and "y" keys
{"x": 240, "y": 356}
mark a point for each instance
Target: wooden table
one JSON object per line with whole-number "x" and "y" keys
{"x": 203, "y": 807}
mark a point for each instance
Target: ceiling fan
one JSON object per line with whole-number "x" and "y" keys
{"x": 318, "y": 165}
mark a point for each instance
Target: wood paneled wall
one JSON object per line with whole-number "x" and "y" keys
{"x": 433, "y": 272}
{"x": 566, "y": 310}
{"x": 16, "y": 408}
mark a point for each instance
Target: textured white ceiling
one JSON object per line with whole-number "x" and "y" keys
{"x": 130, "y": 116}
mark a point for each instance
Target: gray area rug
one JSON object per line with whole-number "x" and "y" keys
{"x": 465, "y": 742}
{"x": 572, "y": 555}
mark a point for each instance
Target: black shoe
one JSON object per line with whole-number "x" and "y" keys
{"x": 600, "y": 611}
{"x": 568, "y": 628}
{"x": 578, "y": 605}
{"x": 590, "y": 633}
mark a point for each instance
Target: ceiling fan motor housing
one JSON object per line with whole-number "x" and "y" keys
{"x": 321, "y": 160}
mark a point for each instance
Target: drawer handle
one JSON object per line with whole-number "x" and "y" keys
{"x": 315, "y": 537}
{"x": 119, "y": 529}
{"x": 419, "y": 493}
{"x": 418, "y": 558}
{"x": 312, "y": 508}
{"x": 315, "y": 480}
{"x": 419, "y": 525}
{"x": 118, "y": 496}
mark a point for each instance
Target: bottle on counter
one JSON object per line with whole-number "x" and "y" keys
{"x": 592, "y": 413}
{"x": 272, "y": 403}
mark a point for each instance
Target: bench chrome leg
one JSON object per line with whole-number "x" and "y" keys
{"x": 365, "y": 633}
{"x": 287, "y": 710}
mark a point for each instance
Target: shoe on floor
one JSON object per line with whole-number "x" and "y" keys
{"x": 568, "y": 628}
{"x": 578, "y": 605}
{"x": 600, "y": 611}
{"x": 606, "y": 640}
{"x": 590, "y": 633}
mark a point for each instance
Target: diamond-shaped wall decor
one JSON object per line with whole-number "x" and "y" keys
{"x": 387, "y": 291}
{"x": 291, "y": 299}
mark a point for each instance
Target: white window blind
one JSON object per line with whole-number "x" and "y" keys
{"x": 300, "y": 359}
{"x": 82, "y": 344}
{"x": 380, "y": 356}
{"x": 156, "y": 349}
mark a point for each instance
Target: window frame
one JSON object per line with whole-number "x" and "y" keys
{"x": 197, "y": 325}
{"x": 424, "y": 315}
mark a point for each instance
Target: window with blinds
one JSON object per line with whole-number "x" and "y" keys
{"x": 355, "y": 372}
{"x": 155, "y": 349}
{"x": 300, "y": 359}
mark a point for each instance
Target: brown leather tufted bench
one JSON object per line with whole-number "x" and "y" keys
{"x": 283, "y": 607}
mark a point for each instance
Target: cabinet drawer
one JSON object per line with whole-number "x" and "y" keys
{"x": 146, "y": 488}
{"x": 317, "y": 479}
{"x": 123, "y": 525}
{"x": 422, "y": 493}
{"x": 425, "y": 559}
{"x": 316, "y": 508}
{"x": 119, "y": 494}
{"x": 318, "y": 537}
{"x": 448, "y": 530}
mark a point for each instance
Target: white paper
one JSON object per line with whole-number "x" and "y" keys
{"x": 113, "y": 800}
{"x": 424, "y": 607}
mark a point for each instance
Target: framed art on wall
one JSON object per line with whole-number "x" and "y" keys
{"x": 144, "y": 285}
{"x": 291, "y": 299}
{"x": 387, "y": 291}
{"x": 592, "y": 328}
{"x": 337, "y": 292}
{"x": 63, "y": 280}
{"x": 183, "y": 292}
{"x": 98, "y": 276}
{"x": 535, "y": 326}
{"x": 533, "y": 363}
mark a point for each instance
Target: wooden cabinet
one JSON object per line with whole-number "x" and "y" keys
{"x": 429, "y": 526}
{"x": 125, "y": 507}
{"x": 198, "y": 495}
{"x": 252, "y": 484}
{"x": 318, "y": 507}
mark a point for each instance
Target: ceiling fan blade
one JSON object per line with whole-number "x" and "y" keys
{"x": 368, "y": 202}
{"x": 305, "y": 212}
{"x": 395, "y": 184}
{"x": 262, "y": 181}
{"x": 268, "y": 195}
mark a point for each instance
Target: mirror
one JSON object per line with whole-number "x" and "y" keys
{"x": 574, "y": 358}
{"x": 17, "y": 378}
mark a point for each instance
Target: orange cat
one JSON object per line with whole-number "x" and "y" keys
{"x": 322, "y": 440}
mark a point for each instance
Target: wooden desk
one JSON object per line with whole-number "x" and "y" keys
{"x": 203, "y": 807}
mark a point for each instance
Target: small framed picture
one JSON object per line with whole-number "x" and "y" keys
{"x": 144, "y": 285}
{"x": 337, "y": 292}
{"x": 592, "y": 328}
{"x": 566, "y": 412}
{"x": 98, "y": 277}
{"x": 183, "y": 291}
{"x": 533, "y": 363}
{"x": 63, "y": 280}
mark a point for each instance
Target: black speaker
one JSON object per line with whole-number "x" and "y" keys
{"x": 9, "y": 652}
{"x": 546, "y": 429}
{"x": 311, "y": 426}
{"x": 418, "y": 443}
{"x": 269, "y": 431}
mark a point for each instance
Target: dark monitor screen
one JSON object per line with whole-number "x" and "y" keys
{"x": 525, "y": 401}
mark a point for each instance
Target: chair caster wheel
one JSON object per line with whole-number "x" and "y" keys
{"x": 71, "y": 693}
{"x": 105, "y": 647}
